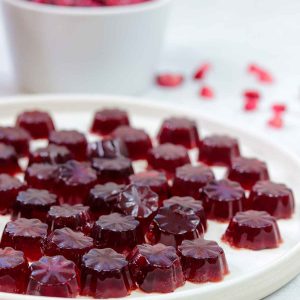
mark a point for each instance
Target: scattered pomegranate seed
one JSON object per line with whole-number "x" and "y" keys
{"x": 201, "y": 71}
{"x": 169, "y": 80}
{"x": 207, "y": 92}
{"x": 276, "y": 122}
{"x": 250, "y": 105}
{"x": 279, "y": 108}
{"x": 262, "y": 74}
{"x": 251, "y": 94}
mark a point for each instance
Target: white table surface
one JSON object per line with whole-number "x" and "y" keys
{"x": 230, "y": 34}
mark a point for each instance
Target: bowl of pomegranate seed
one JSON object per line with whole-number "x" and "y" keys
{"x": 66, "y": 46}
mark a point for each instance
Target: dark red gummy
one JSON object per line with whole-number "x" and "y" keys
{"x": 25, "y": 235}
{"x": 73, "y": 140}
{"x": 202, "y": 261}
{"x": 256, "y": 230}
{"x": 33, "y": 203}
{"x": 38, "y": 123}
{"x": 218, "y": 150}
{"x": 14, "y": 271}
{"x": 157, "y": 182}
{"x": 75, "y": 179}
{"x": 9, "y": 160}
{"x": 275, "y": 198}
{"x": 9, "y": 189}
{"x": 156, "y": 268}
{"x": 137, "y": 141}
{"x": 172, "y": 226}
{"x": 223, "y": 199}
{"x": 169, "y": 80}
{"x": 51, "y": 154}
{"x": 115, "y": 170}
{"x": 105, "y": 274}
{"x": 107, "y": 120}
{"x": 190, "y": 179}
{"x": 76, "y": 217}
{"x": 53, "y": 277}
{"x": 140, "y": 202}
{"x": 68, "y": 243}
{"x": 186, "y": 204}
{"x": 119, "y": 232}
{"x": 247, "y": 171}
{"x": 16, "y": 137}
{"x": 179, "y": 131}
{"x": 167, "y": 158}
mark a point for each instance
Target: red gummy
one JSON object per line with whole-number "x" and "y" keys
{"x": 121, "y": 233}
{"x": 156, "y": 268}
{"x": 247, "y": 171}
{"x": 9, "y": 189}
{"x": 51, "y": 154}
{"x": 9, "y": 160}
{"x": 207, "y": 92}
{"x": 14, "y": 271}
{"x": 255, "y": 230}
{"x": 190, "y": 179}
{"x": 137, "y": 141}
{"x": 169, "y": 80}
{"x": 202, "y": 71}
{"x": 172, "y": 226}
{"x": 168, "y": 157}
{"x": 222, "y": 199}
{"x": 68, "y": 243}
{"x": 105, "y": 274}
{"x": 107, "y": 120}
{"x": 16, "y": 137}
{"x": 179, "y": 131}
{"x": 33, "y": 203}
{"x": 25, "y": 235}
{"x": 38, "y": 123}
{"x": 276, "y": 122}
{"x": 75, "y": 179}
{"x": 54, "y": 277}
{"x": 157, "y": 182}
{"x": 73, "y": 140}
{"x": 218, "y": 150}
{"x": 76, "y": 217}
{"x": 115, "y": 170}
{"x": 275, "y": 198}
{"x": 140, "y": 202}
{"x": 202, "y": 261}
{"x": 186, "y": 204}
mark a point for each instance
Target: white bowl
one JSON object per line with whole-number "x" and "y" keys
{"x": 73, "y": 49}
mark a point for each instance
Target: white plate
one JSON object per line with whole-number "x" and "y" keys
{"x": 253, "y": 274}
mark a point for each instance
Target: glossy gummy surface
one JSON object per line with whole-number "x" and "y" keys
{"x": 8, "y": 160}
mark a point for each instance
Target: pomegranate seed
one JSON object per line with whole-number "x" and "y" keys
{"x": 201, "y": 71}
{"x": 169, "y": 80}
{"x": 279, "y": 108}
{"x": 276, "y": 122}
{"x": 262, "y": 74}
{"x": 251, "y": 94}
{"x": 207, "y": 92}
{"x": 250, "y": 105}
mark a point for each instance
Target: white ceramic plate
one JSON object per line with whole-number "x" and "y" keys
{"x": 253, "y": 274}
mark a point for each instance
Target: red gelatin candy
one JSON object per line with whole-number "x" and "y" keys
{"x": 16, "y": 137}
{"x": 218, "y": 150}
{"x": 121, "y": 233}
{"x": 190, "y": 179}
{"x": 33, "y": 203}
{"x": 76, "y": 217}
{"x": 275, "y": 198}
{"x": 75, "y": 179}
{"x": 202, "y": 261}
{"x": 172, "y": 226}
{"x": 223, "y": 199}
{"x": 255, "y": 230}
{"x": 179, "y": 131}
{"x": 247, "y": 171}
{"x": 137, "y": 141}
{"x": 156, "y": 268}
{"x": 105, "y": 274}
{"x": 115, "y": 170}
{"x": 53, "y": 277}
{"x": 157, "y": 182}
{"x": 107, "y": 120}
{"x": 8, "y": 160}
{"x": 73, "y": 140}
{"x": 169, "y": 80}
{"x": 14, "y": 271}
{"x": 68, "y": 243}
{"x": 167, "y": 158}
{"x": 25, "y": 235}
{"x": 9, "y": 189}
{"x": 38, "y": 123}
